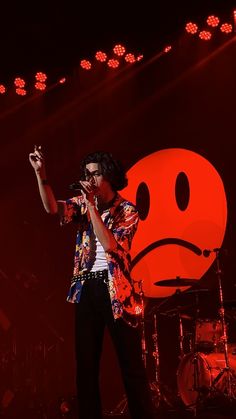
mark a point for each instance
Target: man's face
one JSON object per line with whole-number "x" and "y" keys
{"x": 93, "y": 174}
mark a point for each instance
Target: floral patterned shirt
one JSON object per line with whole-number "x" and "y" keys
{"x": 122, "y": 219}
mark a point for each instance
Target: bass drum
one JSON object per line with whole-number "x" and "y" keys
{"x": 197, "y": 374}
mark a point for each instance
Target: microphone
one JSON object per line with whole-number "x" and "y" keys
{"x": 207, "y": 252}
{"x": 76, "y": 186}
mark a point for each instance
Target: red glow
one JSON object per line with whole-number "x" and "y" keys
{"x": 139, "y": 57}
{"x": 42, "y": 77}
{"x": 168, "y": 48}
{"x": 63, "y": 80}
{"x": 205, "y": 35}
{"x": 130, "y": 58}
{"x": 191, "y": 28}
{"x": 40, "y": 86}
{"x": 213, "y": 21}
{"x": 113, "y": 63}
{"x": 20, "y": 92}
{"x": 226, "y": 28}
{"x": 119, "y": 50}
{"x": 101, "y": 56}
{"x": 18, "y": 82}
{"x": 2, "y": 89}
{"x": 85, "y": 64}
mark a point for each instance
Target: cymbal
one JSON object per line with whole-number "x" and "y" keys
{"x": 177, "y": 282}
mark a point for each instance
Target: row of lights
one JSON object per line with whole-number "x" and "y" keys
{"x": 213, "y": 22}
{"x": 20, "y": 84}
{"x": 114, "y": 62}
{"x": 120, "y": 53}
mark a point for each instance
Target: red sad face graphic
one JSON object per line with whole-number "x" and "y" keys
{"x": 183, "y": 210}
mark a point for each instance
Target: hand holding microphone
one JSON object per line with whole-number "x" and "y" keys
{"x": 86, "y": 189}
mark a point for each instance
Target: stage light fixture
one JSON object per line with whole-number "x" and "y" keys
{"x": 213, "y": 21}
{"x": 119, "y": 50}
{"x": 113, "y": 63}
{"x": 191, "y": 28}
{"x": 101, "y": 56}
{"x": 85, "y": 64}
{"x": 205, "y": 35}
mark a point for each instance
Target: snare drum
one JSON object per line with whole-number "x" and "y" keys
{"x": 208, "y": 335}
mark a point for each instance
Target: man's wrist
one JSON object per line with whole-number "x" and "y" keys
{"x": 91, "y": 205}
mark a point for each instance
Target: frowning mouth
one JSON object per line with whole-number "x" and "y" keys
{"x": 164, "y": 242}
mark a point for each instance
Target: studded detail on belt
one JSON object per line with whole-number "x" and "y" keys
{"x": 91, "y": 275}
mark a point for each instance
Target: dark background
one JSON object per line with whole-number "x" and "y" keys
{"x": 182, "y": 99}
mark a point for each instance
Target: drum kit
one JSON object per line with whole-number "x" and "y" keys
{"x": 206, "y": 371}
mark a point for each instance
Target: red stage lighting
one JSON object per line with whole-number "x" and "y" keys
{"x": 2, "y": 89}
{"x": 119, "y": 50}
{"x": 226, "y": 28}
{"x": 130, "y": 58}
{"x": 191, "y": 28}
{"x": 213, "y": 21}
{"x": 40, "y": 86}
{"x": 167, "y": 49}
{"x": 42, "y": 77}
{"x": 20, "y": 91}
{"x": 101, "y": 56}
{"x": 18, "y": 82}
{"x": 85, "y": 64}
{"x": 205, "y": 35}
{"x": 113, "y": 63}
{"x": 139, "y": 57}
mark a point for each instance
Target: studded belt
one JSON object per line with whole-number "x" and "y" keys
{"x": 85, "y": 276}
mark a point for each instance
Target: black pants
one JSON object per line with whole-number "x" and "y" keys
{"x": 93, "y": 313}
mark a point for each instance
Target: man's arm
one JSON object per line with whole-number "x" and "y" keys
{"x": 46, "y": 193}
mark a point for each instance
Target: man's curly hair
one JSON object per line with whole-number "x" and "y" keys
{"x": 112, "y": 170}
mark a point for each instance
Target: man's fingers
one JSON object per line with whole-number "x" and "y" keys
{"x": 35, "y": 157}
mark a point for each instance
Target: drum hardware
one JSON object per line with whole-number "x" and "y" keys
{"x": 181, "y": 336}
{"x": 162, "y": 391}
{"x": 143, "y": 338}
{"x": 208, "y": 374}
{"x": 230, "y": 379}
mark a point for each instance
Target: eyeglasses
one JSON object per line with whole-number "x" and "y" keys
{"x": 95, "y": 174}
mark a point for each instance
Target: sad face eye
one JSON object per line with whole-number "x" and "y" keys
{"x": 182, "y": 191}
{"x": 143, "y": 200}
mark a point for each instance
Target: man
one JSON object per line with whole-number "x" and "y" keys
{"x": 101, "y": 286}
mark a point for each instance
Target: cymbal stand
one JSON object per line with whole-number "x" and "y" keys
{"x": 227, "y": 368}
{"x": 142, "y": 322}
{"x": 156, "y": 355}
{"x": 161, "y": 390}
{"x": 181, "y": 336}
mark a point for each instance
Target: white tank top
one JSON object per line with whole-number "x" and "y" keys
{"x": 100, "y": 262}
